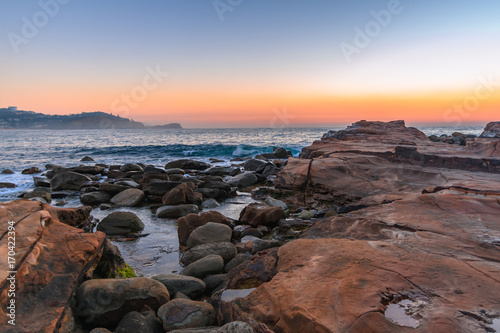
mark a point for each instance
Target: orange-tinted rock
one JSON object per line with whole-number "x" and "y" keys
{"x": 423, "y": 225}
{"x": 51, "y": 257}
{"x": 259, "y": 214}
{"x": 182, "y": 194}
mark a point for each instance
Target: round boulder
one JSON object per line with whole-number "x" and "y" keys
{"x": 104, "y": 302}
{"x": 177, "y": 211}
{"x": 182, "y": 313}
{"x": 188, "y": 285}
{"x": 129, "y": 198}
{"x": 209, "y": 233}
{"x": 224, "y": 249}
{"x": 212, "y": 264}
{"x": 94, "y": 198}
{"x": 119, "y": 223}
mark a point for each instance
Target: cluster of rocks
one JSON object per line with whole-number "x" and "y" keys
{"x": 456, "y": 138}
{"x": 180, "y": 188}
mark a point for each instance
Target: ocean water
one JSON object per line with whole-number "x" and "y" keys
{"x": 21, "y": 149}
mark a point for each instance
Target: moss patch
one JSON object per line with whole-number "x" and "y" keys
{"x": 125, "y": 272}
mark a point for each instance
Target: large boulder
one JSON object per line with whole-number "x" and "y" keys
{"x": 188, "y": 285}
{"x": 68, "y": 180}
{"x": 209, "y": 233}
{"x": 104, "y": 302}
{"x": 128, "y": 198}
{"x": 271, "y": 202}
{"x": 214, "y": 182}
{"x": 243, "y": 179}
{"x": 187, "y": 164}
{"x": 131, "y": 167}
{"x": 268, "y": 169}
{"x": 94, "y": 198}
{"x": 224, "y": 249}
{"x": 160, "y": 188}
{"x": 182, "y": 194}
{"x": 8, "y": 185}
{"x": 183, "y": 313}
{"x": 136, "y": 322}
{"x": 118, "y": 223}
{"x": 51, "y": 258}
{"x": 209, "y": 265}
{"x": 31, "y": 171}
{"x": 492, "y": 130}
{"x": 253, "y": 164}
{"x": 186, "y": 224}
{"x": 176, "y": 211}
{"x": 258, "y": 214}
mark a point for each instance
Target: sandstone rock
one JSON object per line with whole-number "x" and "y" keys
{"x": 176, "y": 211}
{"x": 257, "y": 214}
{"x": 185, "y": 225}
{"x": 188, "y": 285}
{"x": 135, "y": 322}
{"x": 7, "y": 172}
{"x": 186, "y": 164}
{"x": 51, "y": 258}
{"x": 271, "y": 202}
{"x": 225, "y": 249}
{"x": 68, "y": 180}
{"x": 31, "y": 171}
{"x": 7, "y": 185}
{"x": 94, "y": 198}
{"x": 209, "y": 233}
{"x": 119, "y": 223}
{"x": 181, "y": 313}
{"x": 87, "y": 159}
{"x": 261, "y": 267}
{"x": 182, "y": 194}
{"x": 211, "y": 264}
{"x": 492, "y": 130}
{"x": 243, "y": 179}
{"x": 104, "y": 302}
{"x": 128, "y": 198}
{"x": 131, "y": 167}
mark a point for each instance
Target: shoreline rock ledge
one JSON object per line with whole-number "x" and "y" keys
{"x": 418, "y": 222}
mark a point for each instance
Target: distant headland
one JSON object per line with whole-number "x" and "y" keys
{"x": 12, "y": 118}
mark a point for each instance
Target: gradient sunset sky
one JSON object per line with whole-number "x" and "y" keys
{"x": 254, "y": 63}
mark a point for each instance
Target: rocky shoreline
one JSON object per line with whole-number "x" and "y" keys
{"x": 366, "y": 218}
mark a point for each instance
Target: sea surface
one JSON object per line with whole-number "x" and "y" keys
{"x": 21, "y": 149}
{"x": 158, "y": 251}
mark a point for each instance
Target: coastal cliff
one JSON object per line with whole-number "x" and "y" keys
{"x": 418, "y": 222}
